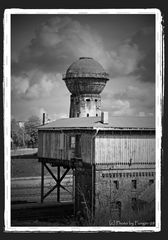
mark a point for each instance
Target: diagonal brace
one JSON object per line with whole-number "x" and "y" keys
{"x": 65, "y": 189}
{"x": 52, "y": 189}
{"x": 58, "y": 181}
{"x": 50, "y": 172}
{"x": 64, "y": 174}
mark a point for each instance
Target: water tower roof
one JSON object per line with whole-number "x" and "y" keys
{"x": 86, "y": 67}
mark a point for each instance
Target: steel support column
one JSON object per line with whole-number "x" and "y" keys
{"x": 42, "y": 181}
{"x": 58, "y": 184}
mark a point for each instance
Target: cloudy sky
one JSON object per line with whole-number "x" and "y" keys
{"x": 43, "y": 47}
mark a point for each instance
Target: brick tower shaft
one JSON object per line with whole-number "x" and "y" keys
{"x": 85, "y": 105}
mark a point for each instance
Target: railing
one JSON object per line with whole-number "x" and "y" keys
{"x": 85, "y": 75}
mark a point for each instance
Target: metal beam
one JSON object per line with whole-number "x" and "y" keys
{"x": 64, "y": 174}
{"x": 49, "y": 170}
{"x": 42, "y": 181}
{"x": 52, "y": 189}
{"x": 58, "y": 184}
{"x": 65, "y": 188}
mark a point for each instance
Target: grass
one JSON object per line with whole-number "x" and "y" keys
{"x": 103, "y": 217}
{"x": 28, "y": 168}
{"x": 25, "y": 168}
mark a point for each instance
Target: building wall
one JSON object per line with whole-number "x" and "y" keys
{"x": 119, "y": 180}
{"x": 106, "y": 191}
{"x": 53, "y": 144}
{"x": 57, "y": 145}
{"x": 125, "y": 148}
{"x": 117, "y": 159}
{"x": 87, "y": 147}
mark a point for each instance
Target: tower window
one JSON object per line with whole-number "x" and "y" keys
{"x": 116, "y": 183}
{"x": 87, "y": 99}
{"x": 95, "y": 100}
{"x": 87, "y": 114}
{"x": 134, "y": 184}
{"x": 96, "y": 115}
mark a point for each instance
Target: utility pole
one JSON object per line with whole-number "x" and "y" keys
{"x": 23, "y": 137}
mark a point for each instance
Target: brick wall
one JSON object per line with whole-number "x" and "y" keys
{"x": 122, "y": 188}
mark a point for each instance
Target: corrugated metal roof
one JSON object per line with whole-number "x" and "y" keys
{"x": 115, "y": 122}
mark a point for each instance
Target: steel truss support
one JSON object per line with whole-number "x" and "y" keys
{"x": 57, "y": 179}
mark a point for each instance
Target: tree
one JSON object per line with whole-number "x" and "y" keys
{"x": 31, "y": 130}
{"x": 16, "y": 134}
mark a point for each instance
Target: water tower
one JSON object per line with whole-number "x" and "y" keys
{"x": 85, "y": 79}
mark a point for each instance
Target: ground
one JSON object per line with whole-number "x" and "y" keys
{"x": 25, "y": 175}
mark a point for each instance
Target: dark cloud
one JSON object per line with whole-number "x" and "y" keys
{"x": 57, "y": 43}
{"x": 145, "y": 39}
{"x": 61, "y": 40}
{"x": 135, "y": 99}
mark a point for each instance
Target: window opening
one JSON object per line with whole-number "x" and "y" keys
{"x": 116, "y": 183}
{"x": 72, "y": 141}
{"x": 134, "y": 184}
{"x": 151, "y": 181}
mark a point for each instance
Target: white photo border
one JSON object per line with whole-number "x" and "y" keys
{"x": 159, "y": 87}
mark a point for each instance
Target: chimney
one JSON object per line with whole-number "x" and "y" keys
{"x": 104, "y": 117}
{"x": 43, "y": 118}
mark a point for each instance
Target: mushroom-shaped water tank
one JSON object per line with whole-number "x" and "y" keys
{"x": 85, "y": 76}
